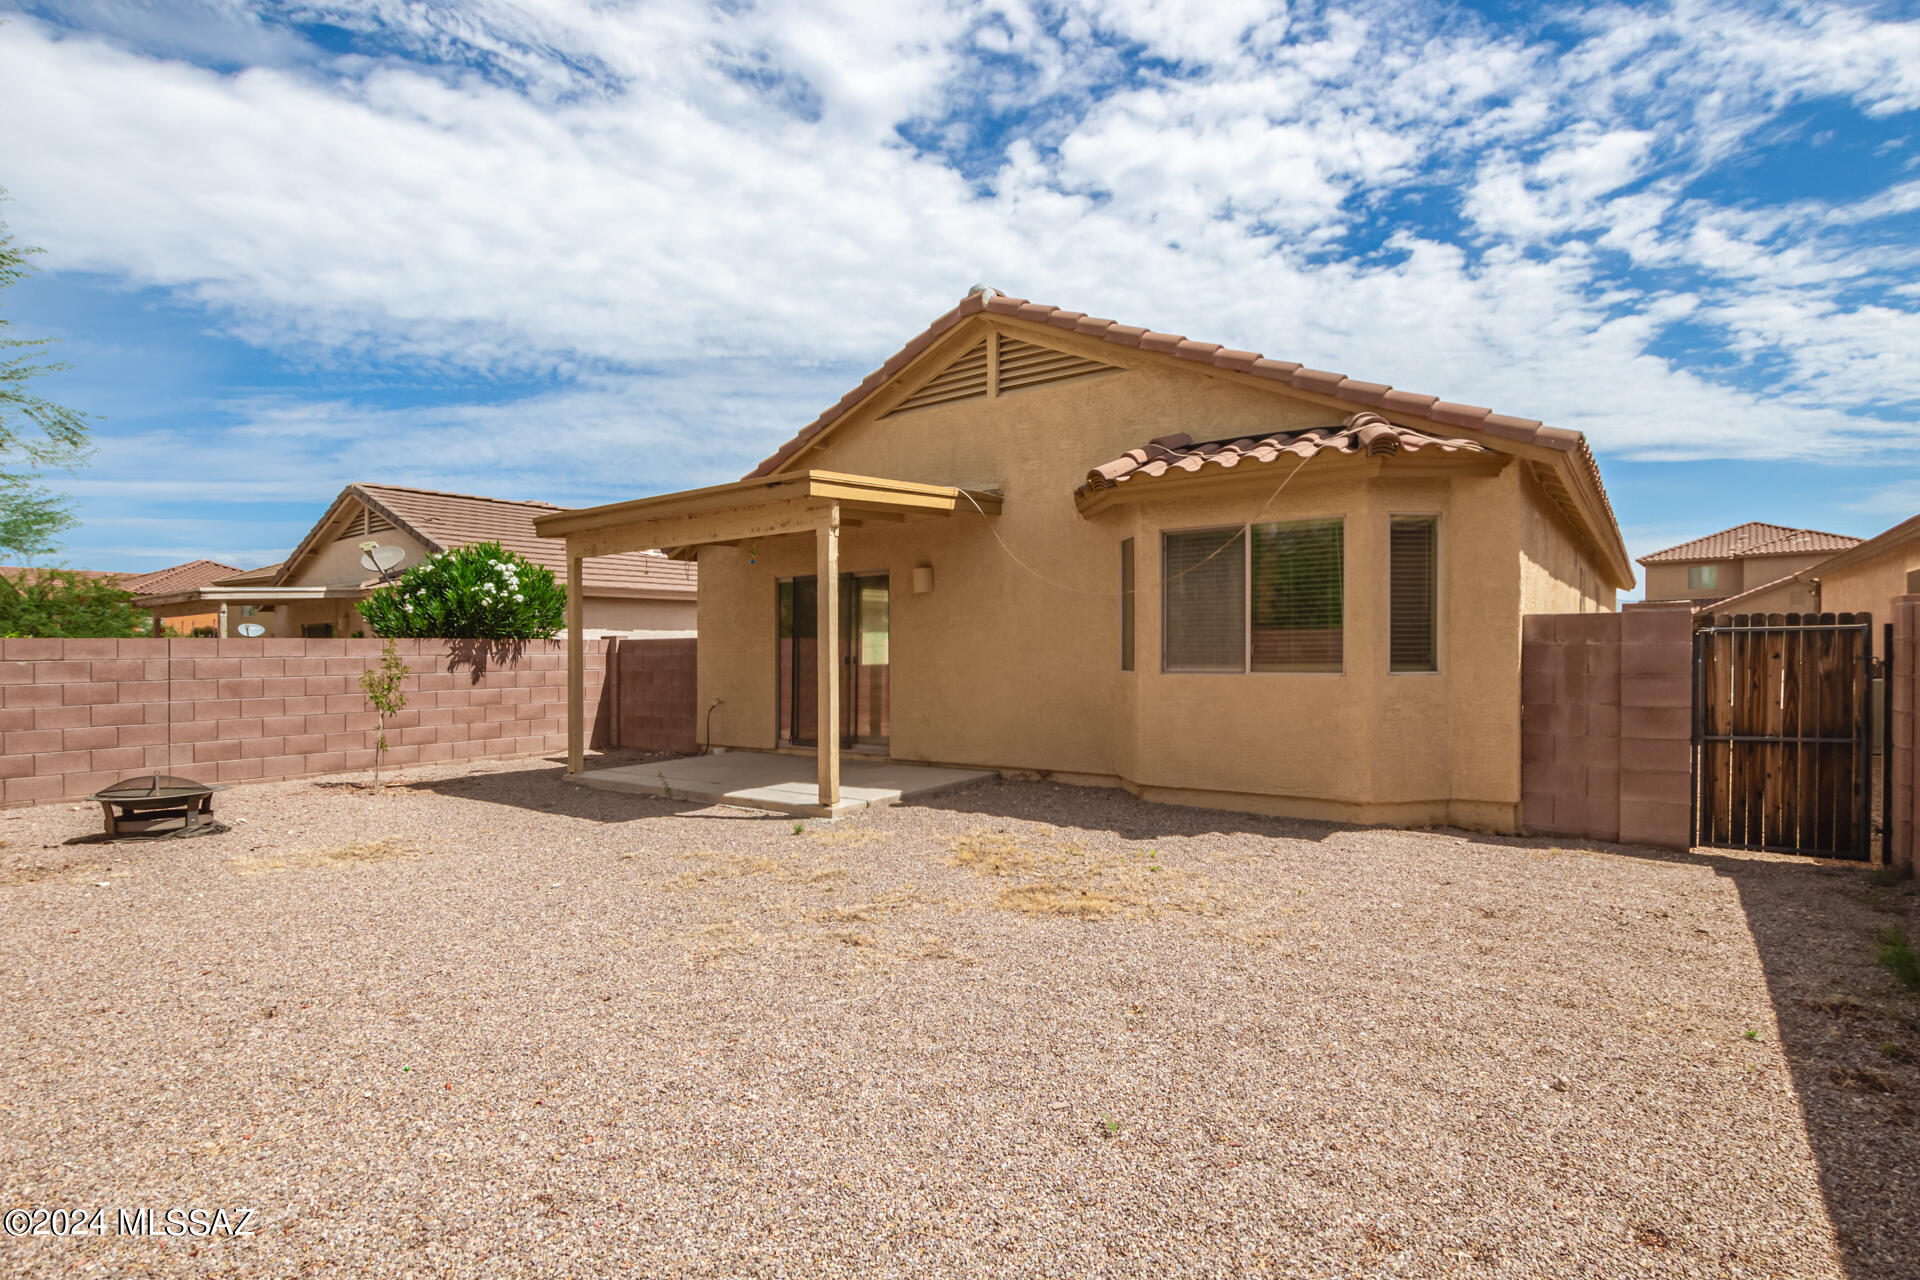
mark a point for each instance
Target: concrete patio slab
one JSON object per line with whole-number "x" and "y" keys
{"x": 781, "y": 783}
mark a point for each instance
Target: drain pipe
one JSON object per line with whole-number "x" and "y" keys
{"x": 706, "y": 748}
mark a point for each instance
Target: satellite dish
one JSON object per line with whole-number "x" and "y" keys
{"x": 380, "y": 559}
{"x": 251, "y": 629}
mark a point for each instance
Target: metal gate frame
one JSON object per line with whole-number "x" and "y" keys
{"x": 1861, "y": 739}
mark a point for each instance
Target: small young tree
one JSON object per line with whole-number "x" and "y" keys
{"x": 476, "y": 592}
{"x": 62, "y": 603}
{"x": 382, "y": 684}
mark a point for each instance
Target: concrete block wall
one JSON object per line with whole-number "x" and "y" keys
{"x": 654, "y": 692}
{"x": 76, "y": 715}
{"x": 1606, "y": 722}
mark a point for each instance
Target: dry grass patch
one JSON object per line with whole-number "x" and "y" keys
{"x": 1052, "y": 878}
{"x": 346, "y": 855}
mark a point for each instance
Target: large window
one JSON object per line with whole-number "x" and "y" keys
{"x": 1703, "y": 577}
{"x": 1271, "y": 598}
{"x": 1126, "y": 604}
{"x": 1299, "y": 596}
{"x": 1204, "y": 600}
{"x": 1413, "y": 593}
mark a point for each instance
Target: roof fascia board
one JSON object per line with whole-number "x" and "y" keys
{"x": 401, "y": 523}
{"x": 306, "y": 544}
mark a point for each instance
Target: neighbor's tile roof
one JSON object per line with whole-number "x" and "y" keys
{"x": 448, "y": 520}
{"x": 1754, "y": 538}
{"x": 1320, "y": 381}
{"x": 1367, "y": 433}
{"x": 180, "y": 577}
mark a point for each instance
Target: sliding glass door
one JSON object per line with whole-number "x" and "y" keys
{"x": 865, "y": 660}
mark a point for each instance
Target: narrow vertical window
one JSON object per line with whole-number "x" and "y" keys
{"x": 1126, "y": 604}
{"x": 1413, "y": 593}
{"x": 1203, "y": 592}
{"x": 1299, "y": 596}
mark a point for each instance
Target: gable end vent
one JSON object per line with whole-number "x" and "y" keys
{"x": 964, "y": 379}
{"x": 363, "y": 523}
{"x": 1022, "y": 364}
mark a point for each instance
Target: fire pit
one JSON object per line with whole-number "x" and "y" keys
{"x": 155, "y": 804}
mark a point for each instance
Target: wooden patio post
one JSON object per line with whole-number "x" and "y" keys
{"x": 827, "y": 612}
{"x": 576, "y": 663}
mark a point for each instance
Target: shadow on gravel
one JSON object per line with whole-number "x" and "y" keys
{"x": 547, "y": 791}
{"x": 1120, "y": 812}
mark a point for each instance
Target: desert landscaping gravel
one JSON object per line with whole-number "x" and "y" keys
{"x": 488, "y": 1023}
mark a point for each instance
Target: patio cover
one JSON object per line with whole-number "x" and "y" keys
{"x": 817, "y": 502}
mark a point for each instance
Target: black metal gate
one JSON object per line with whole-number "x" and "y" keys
{"x": 1782, "y": 733}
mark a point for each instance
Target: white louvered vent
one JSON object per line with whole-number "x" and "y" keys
{"x": 964, "y": 379}
{"x": 1022, "y": 364}
{"x": 363, "y": 523}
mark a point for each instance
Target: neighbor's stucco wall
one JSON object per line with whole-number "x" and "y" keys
{"x": 1869, "y": 585}
{"x": 1018, "y": 667}
{"x": 337, "y": 564}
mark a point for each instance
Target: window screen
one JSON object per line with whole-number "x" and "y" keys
{"x": 1126, "y": 604}
{"x": 1204, "y": 601}
{"x": 1298, "y": 596}
{"x": 1413, "y": 593}
{"x": 1703, "y": 577}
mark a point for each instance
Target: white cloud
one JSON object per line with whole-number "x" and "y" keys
{"x": 714, "y": 213}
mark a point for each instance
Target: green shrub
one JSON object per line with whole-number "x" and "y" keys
{"x": 62, "y": 603}
{"x": 477, "y": 592}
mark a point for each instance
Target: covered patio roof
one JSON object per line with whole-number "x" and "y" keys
{"x": 723, "y": 513}
{"x": 817, "y": 502}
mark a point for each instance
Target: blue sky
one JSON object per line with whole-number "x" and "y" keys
{"x": 588, "y": 251}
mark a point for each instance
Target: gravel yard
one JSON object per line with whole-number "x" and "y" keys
{"x": 490, "y": 1024}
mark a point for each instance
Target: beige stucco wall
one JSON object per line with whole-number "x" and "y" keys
{"x": 1557, "y": 574}
{"x": 1869, "y": 585}
{"x": 1018, "y": 668}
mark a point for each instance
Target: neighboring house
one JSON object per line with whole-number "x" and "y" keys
{"x": 1108, "y": 555}
{"x": 181, "y": 578}
{"x": 1863, "y": 578}
{"x": 178, "y": 578}
{"x": 1741, "y": 560}
{"x": 316, "y": 591}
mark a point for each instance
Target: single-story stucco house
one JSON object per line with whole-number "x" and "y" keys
{"x": 317, "y": 590}
{"x": 1038, "y": 541}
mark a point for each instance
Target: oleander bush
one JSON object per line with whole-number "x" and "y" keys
{"x": 476, "y": 592}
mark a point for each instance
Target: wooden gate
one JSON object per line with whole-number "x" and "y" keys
{"x": 1782, "y": 745}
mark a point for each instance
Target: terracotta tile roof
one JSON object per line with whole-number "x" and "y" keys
{"x": 1367, "y": 433}
{"x": 1754, "y": 538}
{"x": 180, "y": 577}
{"x": 447, "y": 520}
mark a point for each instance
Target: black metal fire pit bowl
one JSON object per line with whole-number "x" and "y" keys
{"x": 157, "y": 805}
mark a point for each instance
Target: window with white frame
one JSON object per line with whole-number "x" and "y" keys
{"x": 1266, "y": 597}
